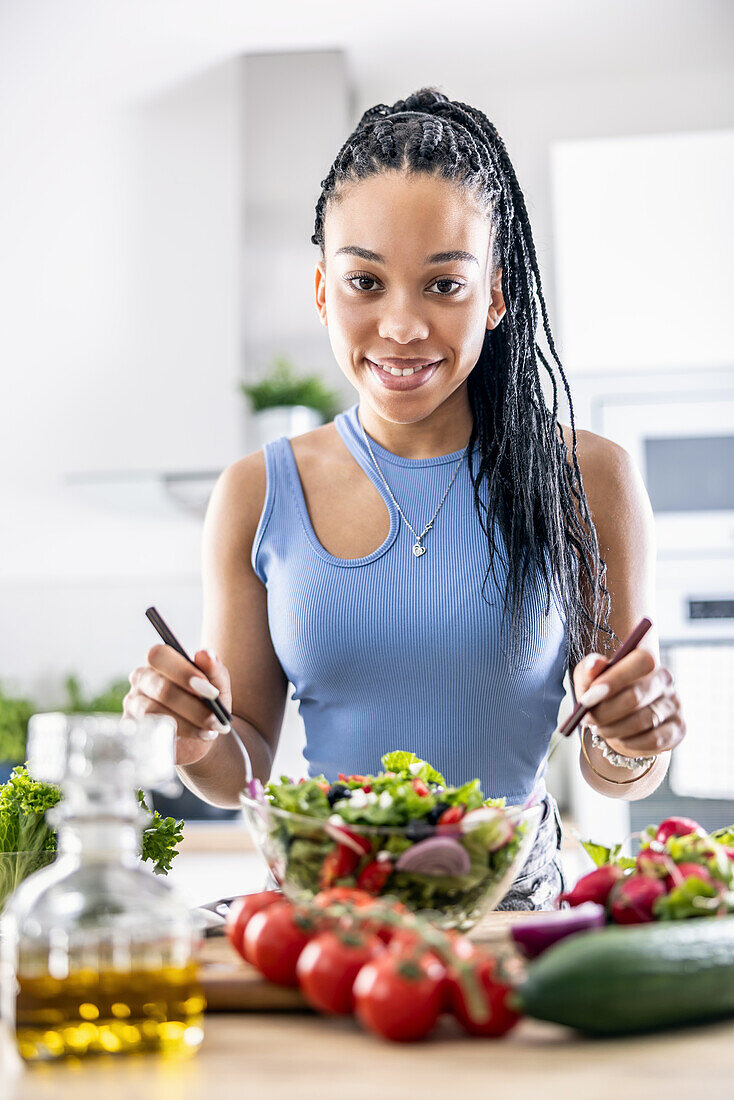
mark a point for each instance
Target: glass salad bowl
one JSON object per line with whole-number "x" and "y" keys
{"x": 451, "y": 872}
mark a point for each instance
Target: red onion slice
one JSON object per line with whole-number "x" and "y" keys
{"x": 438, "y": 855}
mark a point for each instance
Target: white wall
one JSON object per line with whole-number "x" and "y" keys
{"x": 119, "y": 266}
{"x": 119, "y": 351}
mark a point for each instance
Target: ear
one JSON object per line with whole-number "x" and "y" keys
{"x": 320, "y": 288}
{"x": 497, "y": 307}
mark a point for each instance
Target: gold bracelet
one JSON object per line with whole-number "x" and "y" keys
{"x": 619, "y": 782}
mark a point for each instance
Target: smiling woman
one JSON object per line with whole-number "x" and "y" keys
{"x": 428, "y": 171}
{"x": 450, "y": 639}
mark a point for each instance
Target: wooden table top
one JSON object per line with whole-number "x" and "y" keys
{"x": 296, "y": 1056}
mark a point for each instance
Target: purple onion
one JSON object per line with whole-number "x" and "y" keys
{"x": 438, "y": 855}
{"x": 255, "y": 790}
{"x": 537, "y": 935}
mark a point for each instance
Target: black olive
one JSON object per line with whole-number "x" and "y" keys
{"x": 337, "y": 792}
{"x": 418, "y": 829}
{"x": 433, "y": 815}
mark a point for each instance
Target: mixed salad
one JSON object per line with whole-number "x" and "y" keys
{"x": 404, "y": 832}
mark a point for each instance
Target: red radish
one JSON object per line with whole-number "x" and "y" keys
{"x": 654, "y": 864}
{"x": 632, "y": 899}
{"x": 595, "y": 886}
{"x": 677, "y": 826}
{"x": 535, "y": 936}
{"x": 504, "y": 830}
{"x": 682, "y": 871}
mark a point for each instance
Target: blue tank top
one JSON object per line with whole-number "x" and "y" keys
{"x": 393, "y": 651}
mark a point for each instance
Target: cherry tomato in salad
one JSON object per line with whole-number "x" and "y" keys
{"x": 373, "y": 877}
{"x": 274, "y": 939}
{"x": 362, "y": 845}
{"x": 499, "y": 1016}
{"x": 420, "y": 787}
{"x": 399, "y": 999}
{"x": 363, "y": 780}
{"x": 328, "y": 966}
{"x": 242, "y": 910}
{"x": 452, "y": 816}
{"x": 340, "y": 862}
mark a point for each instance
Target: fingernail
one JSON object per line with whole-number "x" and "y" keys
{"x": 203, "y": 687}
{"x": 220, "y": 727}
{"x": 594, "y": 695}
{"x": 591, "y": 660}
{"x": 208, "y": 735}
{"x": 212, "y": 654}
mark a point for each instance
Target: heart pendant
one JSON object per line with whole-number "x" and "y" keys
{"x": 418, "y": 549}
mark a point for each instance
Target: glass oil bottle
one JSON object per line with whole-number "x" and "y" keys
{"x": 98, "y": 953}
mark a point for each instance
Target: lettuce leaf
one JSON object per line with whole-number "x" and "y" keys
{"x": 300, "y": 798}
{"x": 407, "y": 763}
{"x": 601, "y": 855}
{"x": 693, "y": 898}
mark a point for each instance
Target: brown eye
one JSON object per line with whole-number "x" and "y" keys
{"x": 448, "y": 282}
{"x": 354, "y": 279}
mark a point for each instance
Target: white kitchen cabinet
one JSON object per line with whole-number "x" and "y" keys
{"x": 644, "y": 251}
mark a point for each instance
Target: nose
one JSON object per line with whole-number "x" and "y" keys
{"x": 401, "y": 321}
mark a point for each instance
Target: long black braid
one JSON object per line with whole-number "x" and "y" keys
{"x": 533, "y": 492}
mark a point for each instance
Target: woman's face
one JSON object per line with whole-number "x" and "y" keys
{"x": 389, "y": 297}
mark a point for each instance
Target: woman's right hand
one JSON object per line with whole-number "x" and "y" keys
{"x": 164, "y": 686}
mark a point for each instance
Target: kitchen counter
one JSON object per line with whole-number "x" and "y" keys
{"x": 297, "y": 1055}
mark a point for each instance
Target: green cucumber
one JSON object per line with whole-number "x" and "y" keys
{"x": 621, "y": 980}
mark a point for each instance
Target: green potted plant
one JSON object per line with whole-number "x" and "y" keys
{"x": 286, "y": 404}
{"x": 14, "y": 715}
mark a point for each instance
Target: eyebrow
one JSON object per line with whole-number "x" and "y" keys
{"x": 437, "y": 257}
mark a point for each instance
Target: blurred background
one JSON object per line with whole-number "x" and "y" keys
{"x": 161, "y": 162}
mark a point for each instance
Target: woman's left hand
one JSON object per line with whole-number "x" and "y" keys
{"x": 635, "y": 707}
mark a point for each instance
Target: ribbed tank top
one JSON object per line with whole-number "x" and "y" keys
{"x": 394, "y": 651}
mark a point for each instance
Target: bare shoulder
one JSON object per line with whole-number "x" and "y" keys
{"x": 612, "y": 481}
{"x": 238, "y": 498}
{"x": 321, "y": 444}
{"x": 601, "y": 461}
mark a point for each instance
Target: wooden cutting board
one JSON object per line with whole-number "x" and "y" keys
{"x": 232, "y": 985}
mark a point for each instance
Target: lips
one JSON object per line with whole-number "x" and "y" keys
{"x": 417, "y": 377}
{"x": 403, "y": 364}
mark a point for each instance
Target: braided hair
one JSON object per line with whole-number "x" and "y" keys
{"x": 534, "y": 493}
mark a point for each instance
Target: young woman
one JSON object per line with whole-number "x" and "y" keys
{"x": 426, "y": 568}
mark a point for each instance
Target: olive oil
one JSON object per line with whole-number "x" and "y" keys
{"x": 97, "y": 953}
{"x": 109, "y": 1012}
